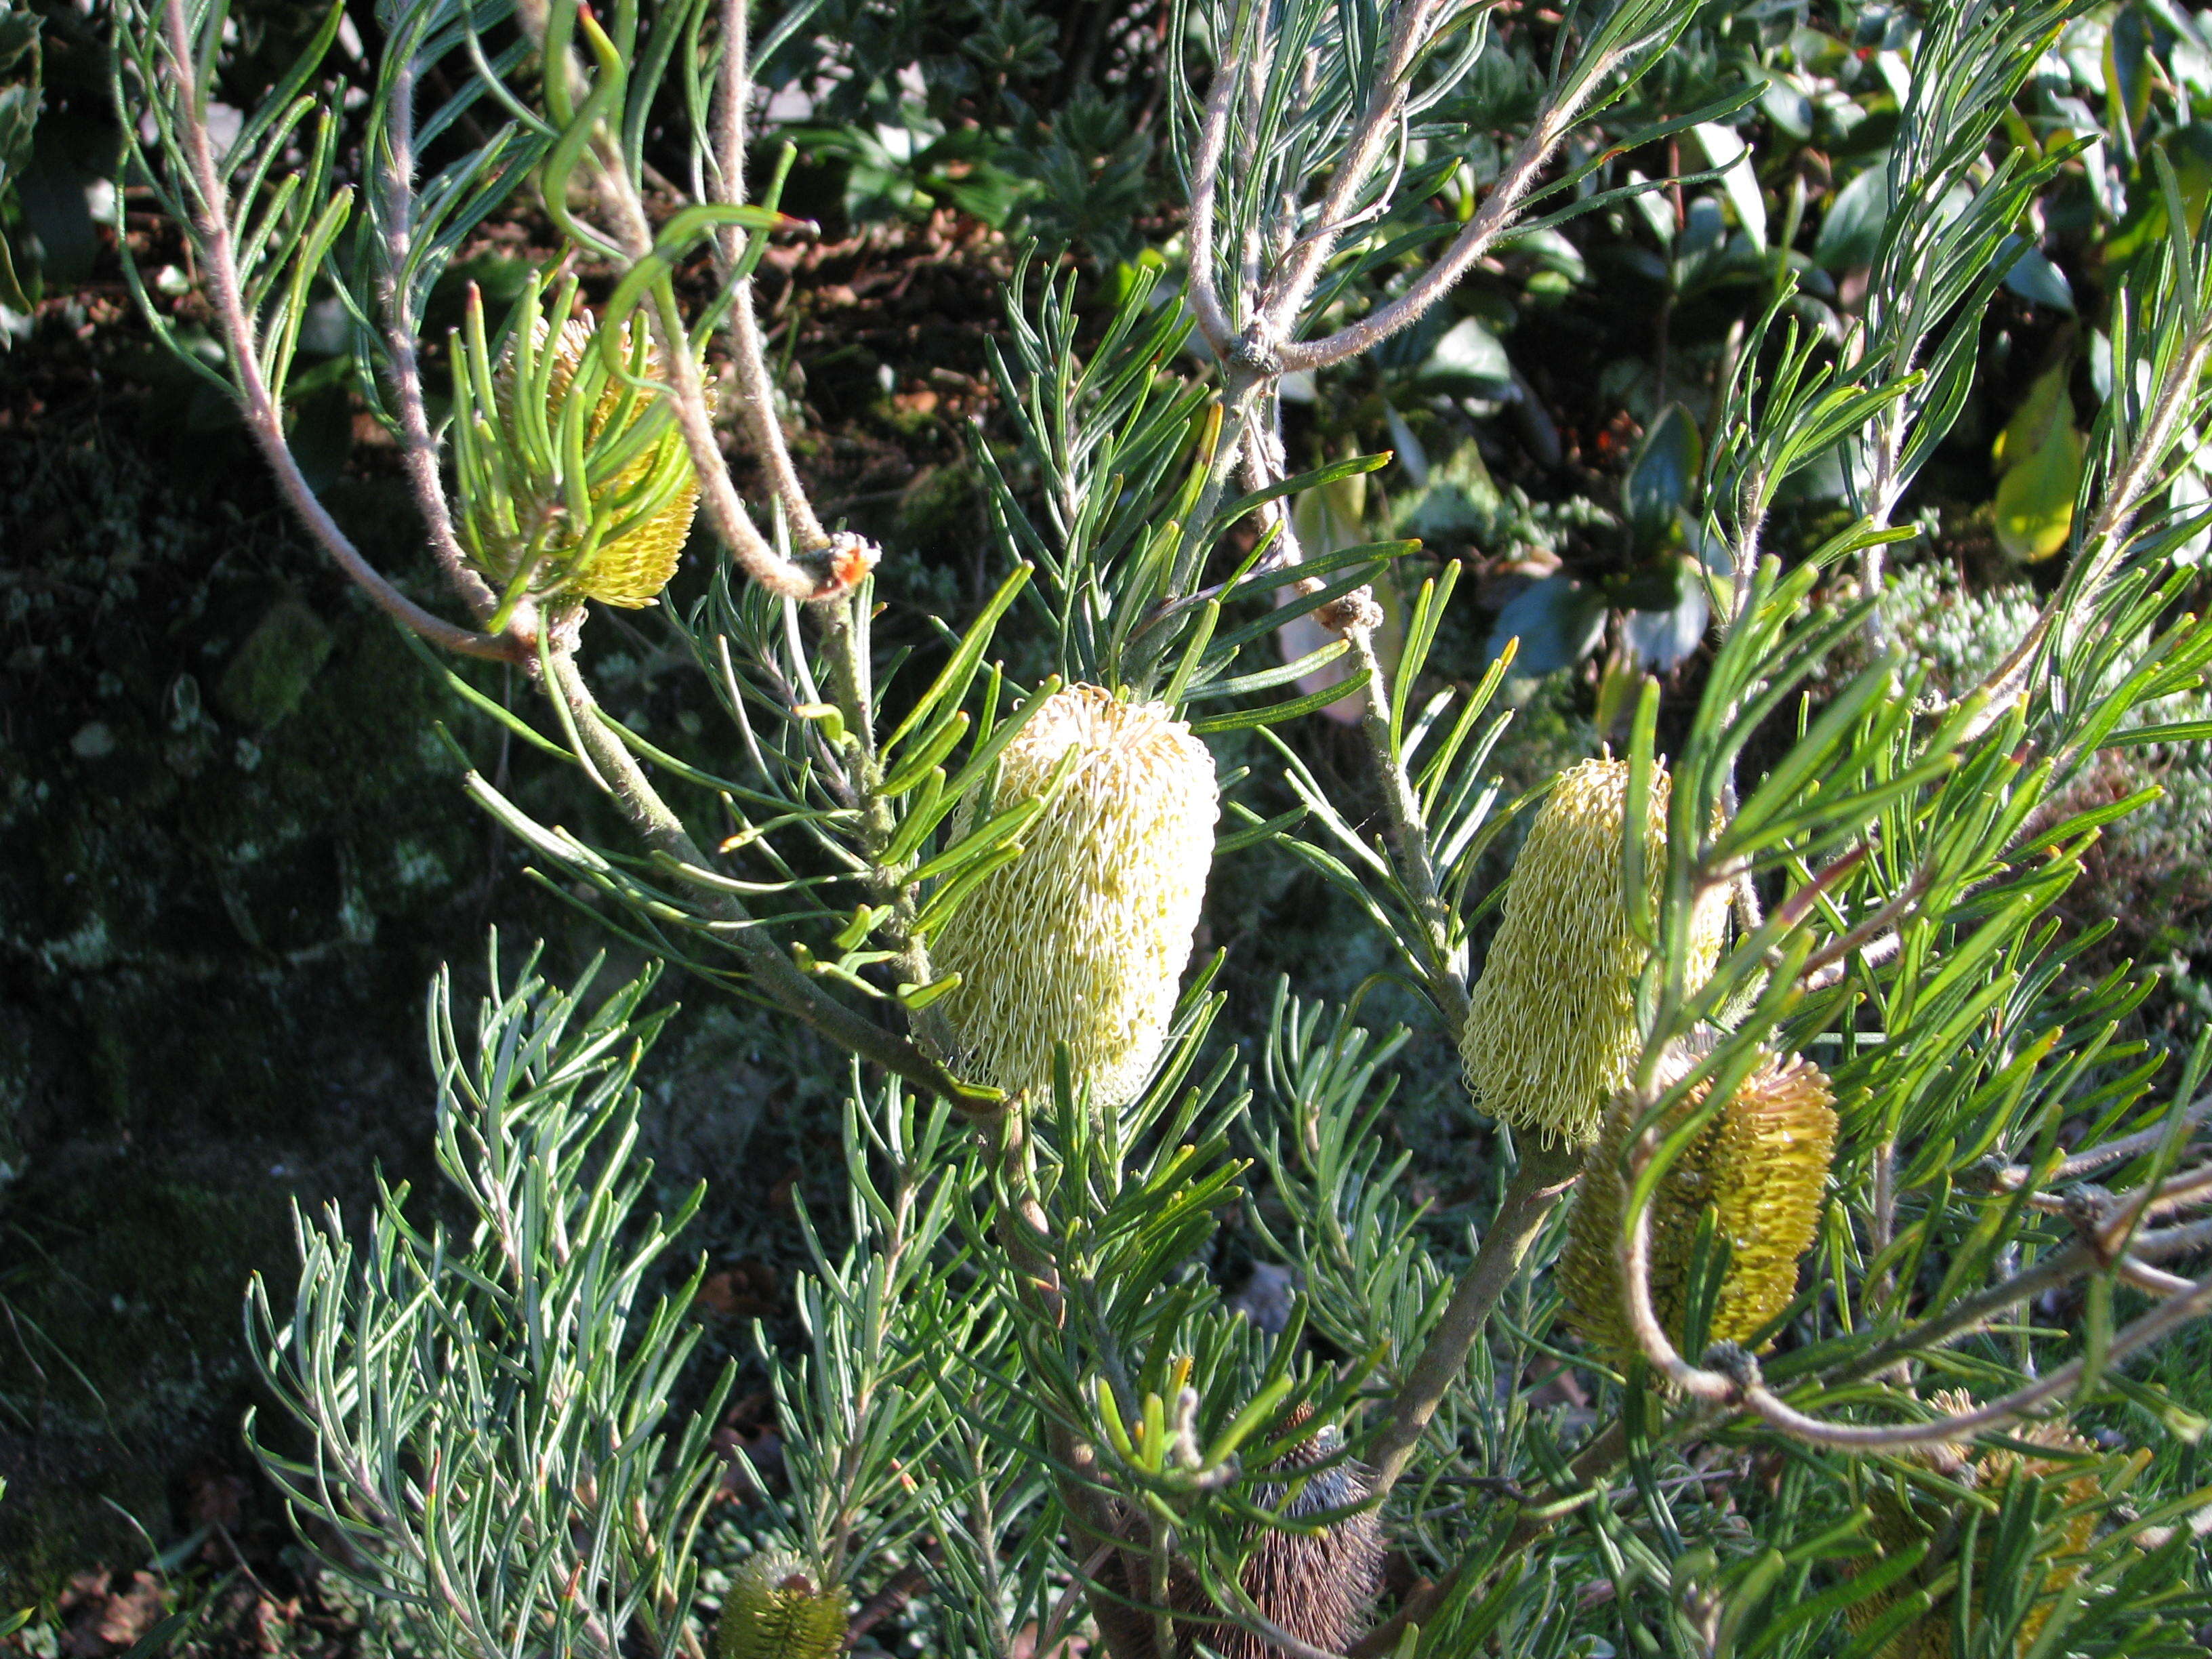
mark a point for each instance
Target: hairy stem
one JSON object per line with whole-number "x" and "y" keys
{"x": 748, "y": 354}
{"x": 1489, "y": 223}
{"x": 1409, "y": 835}
{"x": 395, "y": 187}
{"x": 264, "y": 420}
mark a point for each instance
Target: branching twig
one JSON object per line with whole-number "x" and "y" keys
{"x": 748, "y": 354}
{"x": 264, "y": 422}
{"x": 779, "y": 978}
{"x": 1545, "y": 1175}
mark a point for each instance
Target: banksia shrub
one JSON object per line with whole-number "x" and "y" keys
{"x": 571, "y": 480}
{"x": 1759, "y": 1168}
{"x": 1082, "y": 938}
{"x": 774, "y": 1610}
{"x": 1551, "y": 1033}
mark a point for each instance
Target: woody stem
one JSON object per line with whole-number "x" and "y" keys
{"x": 1544, "y": 1176}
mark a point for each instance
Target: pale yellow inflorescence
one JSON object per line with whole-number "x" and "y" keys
{"x": 1760, "y": 1169}
{"x": 1082, "y": 938}
{"x": 629, "y": 570}
{"x": 1551, "y": 1034}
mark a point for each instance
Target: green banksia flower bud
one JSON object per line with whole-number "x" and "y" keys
{"x": 1552, "y": 1035}
{"x": 1759, "y": 1168}
{"x": 571, "y": 480}
{"x": 1082, "y": 938}
{"x": 775, "y": 1610}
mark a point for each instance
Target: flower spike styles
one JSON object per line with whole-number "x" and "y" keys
{"x": 1760, "y": 1169}
{"x": 572, "y": 478}
{"x": 2067, "y": 1496}
{"x": 1551, "y": 1034}
{"x": 775, "y": 1610}
{"x": 1082, "y": 938}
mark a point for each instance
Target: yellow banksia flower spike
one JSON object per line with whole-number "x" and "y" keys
{"x": 1083, "y": 939}
{"x": 1761, "y": 1168}
{"x": 571, "y": 480}
{"x": 775, "y": 1610}
{"x": 1903, "y": 1516}
{"x": 1550, "y": 1035}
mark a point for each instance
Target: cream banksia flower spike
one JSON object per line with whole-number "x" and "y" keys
{"x": 572, "y": 478}
{"x": 1761, "y": 1168}
{"x": 1082, "y": 939}
{"x": 775, "y": 1610}
{"x": 1551, "y": 1034}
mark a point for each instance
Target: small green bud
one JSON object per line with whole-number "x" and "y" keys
{"x": 563, "y": 487}
{"x": 775, "y": 1610}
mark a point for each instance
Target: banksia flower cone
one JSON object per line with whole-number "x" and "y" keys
{"x": 1551, "y": 1034}
{"x": 526, "y": 518}
{"x": 1316, "y": 1585}
{"x": 1082, "y": 939}
{"x": 1759, "y": 1168}
{"x": 1903, "y": 1516}
{"x": 774, "y": 1610}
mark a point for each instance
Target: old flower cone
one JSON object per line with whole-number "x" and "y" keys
{"x": 1082, "y": 939}
{"x": 1551, "y": 1034}
{"x": 1317, "y": 1586}
{"x": 1759, "y": 1169}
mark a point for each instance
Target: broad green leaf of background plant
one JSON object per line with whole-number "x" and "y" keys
{"x": 20, "y": 91}
{"x": 1662, "y": 478}
{"x": 2038, "y": 457}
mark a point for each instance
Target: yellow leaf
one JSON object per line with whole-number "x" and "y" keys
{"x": 2035, "y": 497}
{"x": 2030, "y": 426}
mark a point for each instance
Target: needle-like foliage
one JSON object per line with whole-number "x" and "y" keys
{"x": 973, "y": 861}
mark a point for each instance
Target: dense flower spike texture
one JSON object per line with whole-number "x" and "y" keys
{"x": 1903, "y": 1516}
{"x": 1082, "y": 938}
{"x": 1760, "y": 1169}
{"x": 1551, "y": 1034}
{"x": 1316, "y": 1585}
{"x": 774, "y": 1610}
{"x": 616, "y": 532}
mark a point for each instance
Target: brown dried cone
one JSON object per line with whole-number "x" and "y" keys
{"x": 1905, "y": 1516}
{"x": 1082, "y": 939}
{"x": 1761, "y": 1168}
{"x": 1317, "y": 1588}
{"x": 775, "y": 1610}
{"x": 1551, "y": 1032}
